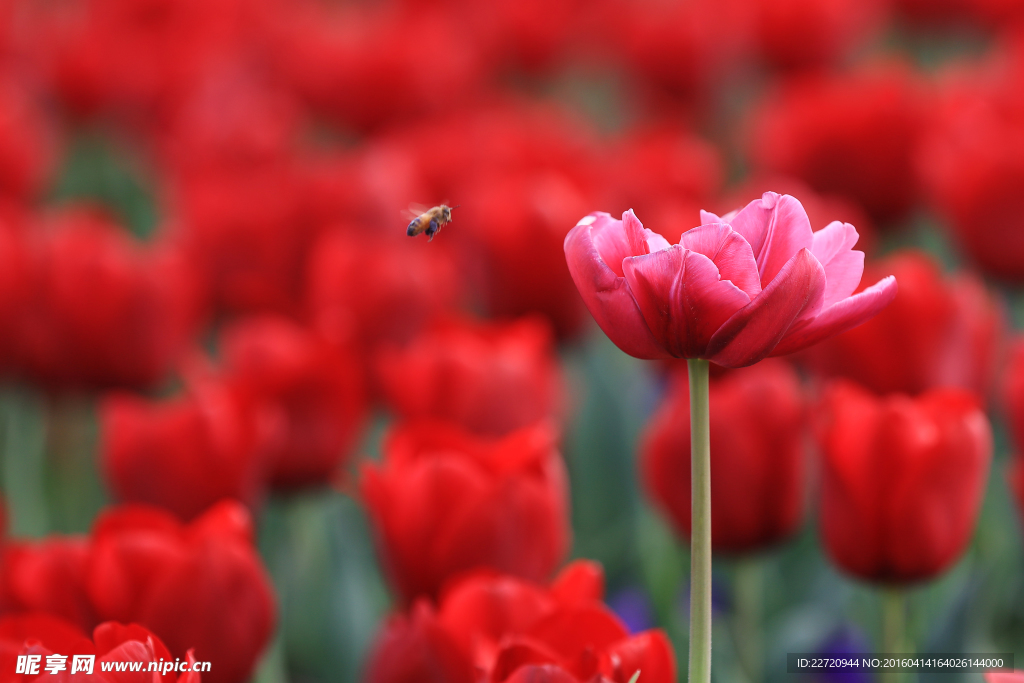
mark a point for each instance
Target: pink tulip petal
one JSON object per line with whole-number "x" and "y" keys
{"x": 682, "y": 298}
{"x": 844, "y": 266}
{"x": 609, "y": 239}
{"x": 729, "y": 252}
{"x": 607, "y": 295}
{"x": 752, "y": 333}
{"x": 788, "y": 231}
{"x": 641, "y": 240}
{"x": 841, "y": 316}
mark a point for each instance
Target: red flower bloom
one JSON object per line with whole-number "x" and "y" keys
{"x": 28, "y": 146}
{"x": 444, "y": 502}
{"x": 809, "y": 33}
{"x": 972, "y": 162}
{"x": 937, "y": 332}
{"x": 490, "y": 378}
{"x": 903, "y": 480}
{"x": 187, "y": 453}
{"x": 854, "y": 135}
{"x": 369, "y": 289}
{"x": 505, "y": 629}
{"x": 102, "y": 310}
{"x": 314, "y": 392}
{"x": 363, "y": 65}
{"x": 757, "y": 456}
{"x": 198, "y": 586}
{"x": 47, "y": 576}
{"x": 133, "y": 55}
{"x": 681, "y": 47}
{"x": 43, "y": 635}
{"x": 247, "y": 232}
{"x": 1013, "y": 398}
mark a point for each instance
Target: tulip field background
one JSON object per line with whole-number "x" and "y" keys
{"x": 240, "y": 407}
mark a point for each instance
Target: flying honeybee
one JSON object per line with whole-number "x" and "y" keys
{"x": 430, "y": 221}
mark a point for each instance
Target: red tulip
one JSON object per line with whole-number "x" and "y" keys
{"x": 490, "y": 378}
{"x": 1014, "y": 405}
{"x": 247, "y": 233}
{"x": 44, "y": 635}
{"x": 198, "y": 586}
{"x": 902, "y": 482}
{"x": 314, "y": 390}
{"x": 682, "y": 47}
{"x": 506, "y": 629}
{"x": 363, "y": 65}
{"x": 757, "y": 456}
{"x": 854, "y": 135}
{"x": 937, "y": 332}
{"x": 102, "y": 310}
{"x": 444, "y": 501}
{"x": 28, "y": 147}
{"x": 368, "y": 289}
{"x": 187, "y": 453}
{"x": 733, "y": 291}
{"x": 47, "y": 576}
{"x": 972, "y": 162}
{"x": 809, "y": 33}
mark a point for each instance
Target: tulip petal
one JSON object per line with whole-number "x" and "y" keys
{"x": 609, "y": 239}
{"x": 753, "y": 332}
{"x": 682, "y": 298}
{"x": 729, "y": 252}
{"x": 606, "y": 294}
{"x": 841, "y": 316}
{"x": 788, "y": 230}
{"x": 641, "y": 240}
{"x": 844, "y": 266}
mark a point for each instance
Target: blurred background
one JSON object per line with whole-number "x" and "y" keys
{"x": 207, "y": 292}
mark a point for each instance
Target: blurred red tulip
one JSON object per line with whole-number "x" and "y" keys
{"x": 198, "y": 586}
{"x": 490, "y": 378}
{"x": 370, "y": 289}
{"x": 682, "y": 47}
{"x": 366, "y": 64}
{"x": 902, "y": 481}
{"x": 247, "y": 232}
{"x": 314, "y": 392}
{"x": 444, "y": 502}
{"x": 1013, "y": 399}
{"x": 43, "y": 635}
{"x": 28, "y": 141}
{"x": 811, "y": 33}
{"x": 102, "y": 310}
{"x": 853, "y": 134}
{"x": 47, "y": 576}
{"x": 757, "y": 456}
{"x": 507, "y": 629}
{"x": 938, "y": 332}
{"x": 972, "y": 162}
{"x": 133, "y": 56}
{"x": 733, "y": 291}
{"x": 187, "y": 453}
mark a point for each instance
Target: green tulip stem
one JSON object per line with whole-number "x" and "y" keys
{"x": 894, "y": 627}
{"x": 748, "y": 587}
{"x": 700, "y": 535}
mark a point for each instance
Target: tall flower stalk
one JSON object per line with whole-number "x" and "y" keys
{"x": 700, "y": 540}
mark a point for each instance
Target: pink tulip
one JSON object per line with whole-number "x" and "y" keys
{"x": 753, "y": 283}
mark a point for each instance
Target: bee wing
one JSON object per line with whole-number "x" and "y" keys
{"x": 415, "y": 210}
